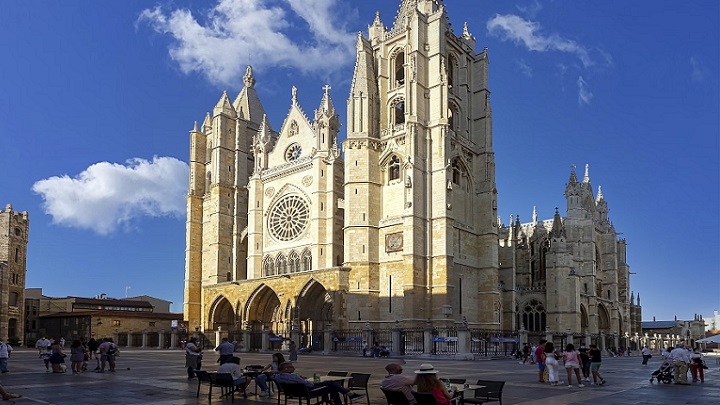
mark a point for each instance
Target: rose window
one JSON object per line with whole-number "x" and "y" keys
{"x": 293, "y": 152}
{"x": 288, "y": 218}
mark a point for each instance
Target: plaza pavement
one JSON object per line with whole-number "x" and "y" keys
{"x": 158, "y": 377}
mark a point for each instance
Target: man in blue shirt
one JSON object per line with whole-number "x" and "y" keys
{"x": 226, "y": 350}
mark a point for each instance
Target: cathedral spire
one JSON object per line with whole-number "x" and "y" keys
{"x": 599, "y": 195}
{"x": 573, "y": 176}
{"x": 249, "y": 79}
{"x": 326, "y": 105}
{"x": 586, "y": 179}
{"x": 558, "y": 231}
{"x": 224, "y": 106}
{"x": 247, "y": 103}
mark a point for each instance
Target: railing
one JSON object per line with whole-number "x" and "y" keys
{"x": 412, "y": 341}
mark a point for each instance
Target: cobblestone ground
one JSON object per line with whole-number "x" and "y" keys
{"x": 158, "y": 377}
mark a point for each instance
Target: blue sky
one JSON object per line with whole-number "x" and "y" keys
{"x": 96, "y": 101}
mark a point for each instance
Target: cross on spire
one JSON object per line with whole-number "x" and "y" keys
{"x": 327, "y": 89}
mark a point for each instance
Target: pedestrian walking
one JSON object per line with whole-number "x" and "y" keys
{"x": 646, "y": 355}
{"x": 697, "y": 366}
{"x": 193, "y": 357}
{"x": 5, "y": 351}
{"x": 293, "y": 351}
{"x": 680, "y": 360}
{"x": 571, "y": 358}
{"x": 595, "y": 363}
{"x": 551, "y": 363}
{"x": 77, "y": 354}
{"x": 540, "y": 360}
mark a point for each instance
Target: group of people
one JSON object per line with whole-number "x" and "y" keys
{"x": 52, "y": 352}
{"x": 585, "y": 361}
{"x": 375, "y": 351}
{"x": 683, "y": 359}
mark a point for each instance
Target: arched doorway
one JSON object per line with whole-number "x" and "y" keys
{"x": 583, "y": 319}
{"x": 314, "y": 311}
{"x": 263, "y": 308}
{"x": 222, "y": 315}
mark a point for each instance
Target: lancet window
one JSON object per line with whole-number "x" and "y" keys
{"x": 533, "y": 316}
{"x": 400, "y": 69}
{"x": 394, "y": 169}
{"x": 294, "y": 262}
{"x": 306, "y": 260}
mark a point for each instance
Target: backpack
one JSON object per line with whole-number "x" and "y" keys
{"x": 112, "y": 349}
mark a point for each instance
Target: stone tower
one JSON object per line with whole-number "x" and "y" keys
{"x": 217, "y": 201}
{"x": 14, "y": 227}
{"x": 420, "y": 197}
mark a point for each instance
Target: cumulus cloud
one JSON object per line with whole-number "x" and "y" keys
{"x": 528, "y": 33}
{"x": 584, "y": 93}
{"x": 107, "y": 196}
{"x": 236, "y": 33}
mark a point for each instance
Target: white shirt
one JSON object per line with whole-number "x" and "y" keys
{"x": 680, "y": 354}
{"x": 645, "y": 351}
{"x": 232, "y": 368}
{"x": 5, "y": 350}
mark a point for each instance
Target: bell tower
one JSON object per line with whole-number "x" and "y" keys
{"x": 420, "y": 196}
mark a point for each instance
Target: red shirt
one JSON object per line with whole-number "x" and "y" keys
{"x": 539, "y": 353}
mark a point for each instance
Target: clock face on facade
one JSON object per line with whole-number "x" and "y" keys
{"x": 289, "y": 218}
{"x": 393, "y": 242}
{"x": 293, "y": 152}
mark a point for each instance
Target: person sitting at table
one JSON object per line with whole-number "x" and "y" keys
{"x": 232, "y": 366}
{"x": 330, "y": 389}
{"x": 269, "y": 370}
{"x": 395, "y": 380}
{"x": 427, "y": 381}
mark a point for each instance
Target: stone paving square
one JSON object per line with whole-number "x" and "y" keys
{"x": 158, "y": 377}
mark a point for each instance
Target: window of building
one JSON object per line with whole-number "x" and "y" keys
{"x": 151, "y": 323}
{"x": 307, "y": 260}
{"x": 400, "y": 68}
{"x": 294, "y": 262}
{"x": 533, "y": 316}
{"x": 116, "y": 323}
{"x": 399, "y": 112}
{"x": 452, "y": 62}
{"x": 394, "y": 168}
{"x": 13, "y": 299}
{"x": 268, "y": 267}
{"x": 281, "y": 264}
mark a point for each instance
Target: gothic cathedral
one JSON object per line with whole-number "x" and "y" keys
{"x": 284, "y": 231}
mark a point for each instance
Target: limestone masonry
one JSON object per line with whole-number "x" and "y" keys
{"x": 285, "y": 232}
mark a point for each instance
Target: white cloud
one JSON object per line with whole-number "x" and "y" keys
{"x": 530, "y": 10}
{"x": 107, "y": 196}
{"x": 236, "y": 33}
{"x": 528, "y": 33}
{"x": 524, "y": 68}
{"x": 584, "y": 94}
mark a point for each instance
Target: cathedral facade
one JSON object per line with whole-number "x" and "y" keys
{"x": 284, "y": 231}
{"x": 571, "y": 273}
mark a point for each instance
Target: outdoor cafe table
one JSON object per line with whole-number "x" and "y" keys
{"x": 461, "y": 389}
{"x": 326, "y": 378}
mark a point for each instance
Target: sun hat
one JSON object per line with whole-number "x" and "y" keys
{"x": 426, "y": 369}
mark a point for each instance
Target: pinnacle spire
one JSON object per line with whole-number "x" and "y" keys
{"x": 573, "y": 176}
{"x": 377, "y": 21}
{"x": 557, "y": 229}
{"x": 249, "y": 79}
{"x": 534, "y": 217}
{"x": 326, "y": 105}
{"x": 599, "y": 195}
{"x": 586, "y": 179}
{"x": 224, "y": 106}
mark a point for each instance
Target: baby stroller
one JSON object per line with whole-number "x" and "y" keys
{"x": 664, "y": 374}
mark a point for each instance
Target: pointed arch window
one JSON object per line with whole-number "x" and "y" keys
{"x": 268, "y": 266}
{"x": 306, "y": 261}
{"x": 294, "y": 262}
{"x": 399, "y": 112}
{"x": 452, "y": 62}
{"x": 394, "y": 168}
{"x": 281, "y": 264}
{"x": 534, "y": 316}
{"x": 400, "y": 69}
{"x": 456, "y": 172}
